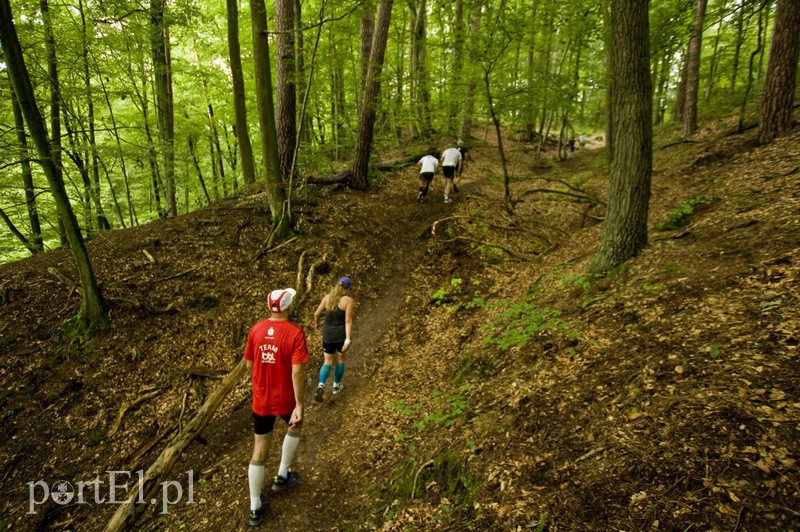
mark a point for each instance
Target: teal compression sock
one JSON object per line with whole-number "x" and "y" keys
{"x": 324, "y": 373}
{"x": 339, "y": 372}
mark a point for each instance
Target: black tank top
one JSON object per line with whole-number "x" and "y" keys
{"x": 333, "y": 330}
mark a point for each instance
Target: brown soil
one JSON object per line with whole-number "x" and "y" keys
{"x": 668, "y": 399}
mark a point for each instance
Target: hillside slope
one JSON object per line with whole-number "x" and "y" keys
{"x": 665, "y": 395}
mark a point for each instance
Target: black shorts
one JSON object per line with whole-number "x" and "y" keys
{"x": 449, "y": 171}
{"x": 265, "y": 424}
{"x": 332, "y": 347}
{"x": 426, "y": 176}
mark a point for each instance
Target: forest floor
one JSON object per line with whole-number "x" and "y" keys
{"x": 492, "y": 383}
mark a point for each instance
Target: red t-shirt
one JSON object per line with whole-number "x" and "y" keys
{"x": 273, "y": 346}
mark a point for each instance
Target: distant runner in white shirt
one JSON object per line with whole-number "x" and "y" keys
{"x": 429, "y": 164}
{"x": 451, "y": 161}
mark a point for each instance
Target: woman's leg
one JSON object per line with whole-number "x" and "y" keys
{"x": 339, "y": 372}
{"x": 324, "y": 373}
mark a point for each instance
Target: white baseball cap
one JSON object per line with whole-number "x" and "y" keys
{"x": 280, "y": 300}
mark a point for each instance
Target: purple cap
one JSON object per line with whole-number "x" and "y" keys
{"x": 346, "y": 282}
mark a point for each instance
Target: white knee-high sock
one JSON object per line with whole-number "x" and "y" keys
{"x": 290, "y": 443}
{"x": 255, "y": 478}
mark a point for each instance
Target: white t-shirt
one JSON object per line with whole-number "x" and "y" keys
{"x": 429, "y": 164}
{"x": 451, "y": 156}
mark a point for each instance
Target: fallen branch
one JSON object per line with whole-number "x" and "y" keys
{"x": 266, "y": 249}
{"x": 498, "y": 246}
{"x": 682, "y": 141}
{"x": 128, "y": 406}
{"x": 73, "y": 287}
{"x": 576, "y": 189}
{"x": 149, "y": 256}
{"x": 181, "y": 274}
{"x": 590, "y": 454}
{"x": 553, "y": 191}
{"x": 203, "y": 372}
{"x": 126, "y": 514}
{"x": 416, "y": 476}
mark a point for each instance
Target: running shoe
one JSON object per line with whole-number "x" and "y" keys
{"x": 256, "y": 516}
{"x": 320, "y": 391}
{"x": 337, "y": 387}
{"x": 448, "y": 200}
{"x": 420, "y": 196}
{"x": 282, "y": 483}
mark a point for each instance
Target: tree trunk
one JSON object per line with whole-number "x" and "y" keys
{"x": 465, "y": 127}
{"x": 369, "y": 102}
{"x": 305, "y": 124}
{"x": 86, "y": 38}
{"x": 737, "y": 48}
{"x": 285, "y": 87}
{"x": 420, "y": 93}
{"x": 693, "y": 68}
{"x": 55, "y": 102}
{"x": 93, "y": 314}
{"x": 193, "y": 153}
{"x": 239, "y": 102}
{"x": 496, "y": 122}
{"x": 712, "y": 68}
{"x": 159, "y": 42}
{"x": 749, "y": 85}
{"x": 216, "y": 149}
{"x": 781, "y": 76}
{"x": 625, "y": 230}
{"x": 276, "y": 196}
{"x": 609, "y": 79}
{"x": 27, "y": 175}
{"x": 663, "y": 78}
{"x": 367, "y": 31}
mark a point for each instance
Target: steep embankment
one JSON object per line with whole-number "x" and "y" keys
{"x": 665, "y": 395}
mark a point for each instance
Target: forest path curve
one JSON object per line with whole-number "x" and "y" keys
{"x": 326, "y": 485}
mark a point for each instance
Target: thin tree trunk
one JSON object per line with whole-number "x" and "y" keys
{"x": 369, "y": 103}
{"x": 625, "y": 229}
{"x": 285, "y": 87}
{"x": 306, "y": 126}
{"x": 93, "y": 313}
{"x": 496, "y": 122}
{"x": 17, "y": 233}
{"x": 779, "y": 86}
{"x": 239, "y": 102}
{"x": 749, "y": 85}
{"x": 737, "y": 48}
{"x": 666, "y": 63}
{"x": 159, "y": 42}
{"x": 102, "y": 220}
{"x": 276, "y": 197}
{"x": 193, "y": 153}
{"x": 27, "y": 176}
{"x": 55, "y": 103}
{"x": 465, "y": 127}
{"x": 367, "y": 31}
{"x": 712, "y": 68}
{"x": 693, "y": 69}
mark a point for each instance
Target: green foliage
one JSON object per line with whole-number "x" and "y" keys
{"x": 400, "y": 406}
{"x": 680, "y": 215}
{"x": 472, "y": 364}
{"x": 94, "y": 437}
{"x": 713, "y": 351}
{"x": 522, "y": 322}
{"x": 452, "y": 407}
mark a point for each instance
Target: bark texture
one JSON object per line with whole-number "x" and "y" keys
{"x": 779, "y": 85}
{"x": 369, "y": 100}
{"x": 625, "y": 230}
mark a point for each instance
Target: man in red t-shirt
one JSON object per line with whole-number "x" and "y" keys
{"x": 276, "y": 354}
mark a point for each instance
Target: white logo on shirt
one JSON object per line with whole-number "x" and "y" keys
{"x": 271, "y": 331}
{"x": 268, "y": 352}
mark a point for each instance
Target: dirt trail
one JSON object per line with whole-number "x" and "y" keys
{"x": 327, "y": 487}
